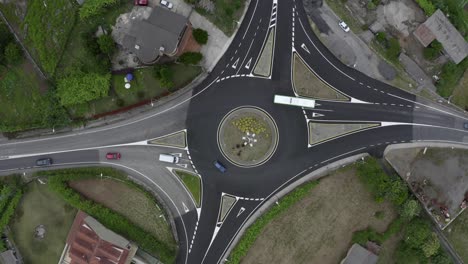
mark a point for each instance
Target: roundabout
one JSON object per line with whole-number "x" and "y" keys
{"x": 247, "y": 136}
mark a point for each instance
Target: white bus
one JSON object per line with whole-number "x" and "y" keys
{"x": 295, "y": 101}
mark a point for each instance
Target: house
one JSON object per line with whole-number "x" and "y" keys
{"x": 89, "y": 242}
{"x": 359, "y": 255}
{"x": 439, "y": 27}
{"x": 162, "y": 33}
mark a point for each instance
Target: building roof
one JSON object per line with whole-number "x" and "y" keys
{"x": 90, "y": 242}
{"x": 7, "y": 257}
{"x": 159, "y": 33}
{"x": 439, "y": 27}
{"x": 359, "y": 255}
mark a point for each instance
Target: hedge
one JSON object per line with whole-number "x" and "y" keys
{"x": 256, "y": 228}
{"x": 10, "y": 210}
{"x": 114, "y": 221}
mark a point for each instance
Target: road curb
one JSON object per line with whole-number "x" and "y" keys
{"x": 314, "y": 175}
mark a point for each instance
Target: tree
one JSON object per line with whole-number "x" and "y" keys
{"x": 191, "y": 58}
{"x": 55, "y": 115}
{"x": 80, "y": 88}
{"x": 410, "y": 209}
{"x": 13, "y": 53}
{"x": 106, "y": 44}
{"x": 5, "y": 37}
{"x": 441, "y": 258}
{"x": 432, "y": 51}
{"x": 165, "y": 75}
{"x": 416, "y": 233}
{"x": 200, "y": 35}
{"x": 431, "y": 246}
{"x": 398, "y": 192}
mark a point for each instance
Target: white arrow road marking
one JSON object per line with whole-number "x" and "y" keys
{"x": 316, "y": 114}
{"x": 247, "y": 66}
{"x": 304, "y": 47}
{"x": 234, "y": 65}
{"x": 185, "y": 207}
{"x": 240, "y": 211}
{"x": 182, "y": 165}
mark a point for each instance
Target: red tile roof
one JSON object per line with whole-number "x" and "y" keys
{"x": 86, "y": 247}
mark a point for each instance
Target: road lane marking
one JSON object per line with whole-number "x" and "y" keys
{"x": 242, "y": 209}
{"x": 304, "y": 47}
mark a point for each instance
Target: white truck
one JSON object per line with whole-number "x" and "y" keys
{"x": 169, "y": 158}
{"x": 295, "y": 101}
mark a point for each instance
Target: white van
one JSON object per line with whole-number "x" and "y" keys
{"x": 168, "y": 158}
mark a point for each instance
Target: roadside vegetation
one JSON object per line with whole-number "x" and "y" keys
{"x": 251, "y": 234}
{"x": 11, "y": 192}
{"x": 59, "y": 182}
{"x": 356, "y": 204}
{"x": 457, "y": 234}
{"x": 225, "y": 15}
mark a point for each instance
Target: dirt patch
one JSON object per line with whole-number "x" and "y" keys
{"x": 318, "y": 229}
{"x": 128, "y": 201}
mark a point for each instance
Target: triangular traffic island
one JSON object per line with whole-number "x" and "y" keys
{"x": 176, "y": 139}
{"x": 307, "y": 84}
{"x": 192, "y": 183}
{"x": 320, "y": 132}
{"x": 227, "y": 202}
{"x": 263, "y": 66}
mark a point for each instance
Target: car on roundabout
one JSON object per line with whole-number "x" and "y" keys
{"x": 219, "y": 166}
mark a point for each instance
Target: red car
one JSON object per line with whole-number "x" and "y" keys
{"x": 141, "y": 2}
{"x": 113, "y": 155}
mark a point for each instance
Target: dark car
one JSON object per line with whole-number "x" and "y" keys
{"x": 219, "y": 166}
{"x": 44, "y": 162}
{"x": 113, "y": 155}
{"x": 465, "y": 125}
{"x": 141, "y": 2}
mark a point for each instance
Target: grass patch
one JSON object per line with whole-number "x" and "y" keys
{"x": 339, "y": 8}
{"x": 307, "y": 84}
{"x": 251, "y": 234}
{"x": 460, "y": 93}
{"x": 47, "y": 28}
{"x": 193, "y": 184}
{"x": 458, "y": 235}
{"x": 226, "y": 14}
{"x": 22, "y": 104}
{"x": 40, "y": 206}
{"x": 129, "y": 202}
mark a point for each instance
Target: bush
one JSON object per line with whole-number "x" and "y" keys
{"x": 58, "y": 183}
{"x": 200, "y": 35}
{"x": 449, "y": 77}
{"x": 92, "y": 8}
{"x": 191, "y": 58}
{"x": 417, "y": 232}
{"x": 81, "y": 88}
{"x": 379, "y": 214}
{"x": 120, "y": 102}
{"x": 381, "y": 37}
{"x": 427, "y": 6}
{"x": 13, "y": 54}
{"x": 106, "y": 44}
{"x": 371, "y": 6}
{"x": 10, "y": 210}
{"x": 393, "y": 49}
{"x": 432, "y": 51}
{"x": 409, "y": 210}
{"x": 164, "y": 74}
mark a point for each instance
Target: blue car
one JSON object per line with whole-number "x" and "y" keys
{"x": 219, "y": 166}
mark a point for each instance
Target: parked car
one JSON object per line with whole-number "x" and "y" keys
{"x": 141, "y": 2}
{"x": 344, "y": 26}
{"x": 166, "y": 4}
{"x": 219, "y": 166}
{"x": 44, "y": 162}
{"x": 113, "y": 156}
{"x": 465, "y": 125}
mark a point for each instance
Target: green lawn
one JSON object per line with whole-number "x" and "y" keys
{"x": 40, "y": 206}
{"x": 458, "y": 235}
{"x": 193, "y": 184}
{"x": 47, "y": 27}
{"x": 460, "y": 93}
{"x": 21, "y": 103}
{"x": 226, "y": 14}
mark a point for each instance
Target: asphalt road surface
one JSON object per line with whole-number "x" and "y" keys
{"x": 203, "y": 238}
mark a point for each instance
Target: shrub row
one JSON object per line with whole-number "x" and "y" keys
{"x": 58, "y": 182}
{"x": 256, "y": 228}
{"x": 10, "y": 209}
